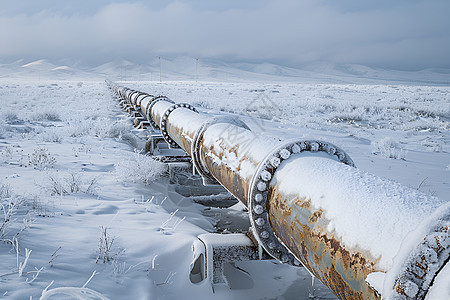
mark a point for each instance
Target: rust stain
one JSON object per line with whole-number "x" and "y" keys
{"x": 303, "y": 202}
{"x": 400, "y": 288}
{"x": 181, "y": 137}
{"x": 228, "y": 178}
{"x": 315, "y": 216}
{"x": 342, "y": 270}
{"x": 340, "y": 287}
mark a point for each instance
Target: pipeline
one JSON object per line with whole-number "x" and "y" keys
{"x": 363, "y": 236}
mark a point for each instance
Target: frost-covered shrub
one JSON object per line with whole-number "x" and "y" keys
{"x": 5, "y": 191}
{"x": 11, "y": 117}
{"x": 3, "y": 130}
{"x": 121, "y": 131}
{"x": 104, "y": 246}
{"x": 141, "y": 168}
{"x": 78, "y": 128}
{"x": 118, "y": 129}
{"x": 346, "y": 118}
{"x": 52, "y": 135}
{"x": 101, "y": 128}
{"x": 46, "y": 115}
{"x": 388, "y": 148}
{"x": 70, "y": 183}
{"x": 6, "y": 153}
{"x": 9, "y": 206}
{"x": 41, "y": 158}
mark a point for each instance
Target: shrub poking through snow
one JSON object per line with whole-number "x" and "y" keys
{"x": 53, "y": 135}
{"x": 104, "y": 246}
{"x": 41, "y": 158}
{"x": 11, "y": 117}
{"x": 5, "y": 191}
{"x": 141, "y": 168}
{"x": 388, "y": 148}
{"x": 121, "y": 131}
{"x": 47, "y": 115}
{"x": 70, "y": 183}
{"x": 9, "y": 205}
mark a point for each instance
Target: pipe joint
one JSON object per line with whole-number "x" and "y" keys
{"x": 148, "y": 109}
{"x": 258, "y": 195}
{"x": 208, "y": 179}
{"x": 163, "y": 123}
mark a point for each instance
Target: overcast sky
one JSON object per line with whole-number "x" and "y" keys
{"x": 393, "y": 34}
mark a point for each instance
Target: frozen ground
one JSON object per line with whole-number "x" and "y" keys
{"x": 70, "y": 180}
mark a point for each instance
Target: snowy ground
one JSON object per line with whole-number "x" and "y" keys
{"x": 69, "y": 176}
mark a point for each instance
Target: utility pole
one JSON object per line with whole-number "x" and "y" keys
{"x": 159, "y": 59}
{"x": 196, "y": 69}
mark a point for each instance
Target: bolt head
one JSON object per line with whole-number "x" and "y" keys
{"x": 258, "y": 209}
{"x": 284, "y": 153}
{"x": 261, "y": 186}
{"x": 295, "y": 149}
{"x": 265, "y": 175}
{"x": 274, "y": 161}
{"x": 260, "y": 221}
{"x": 258, "y": 197}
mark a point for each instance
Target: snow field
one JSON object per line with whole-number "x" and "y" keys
{"x": 85, "y": 196}
{"x": 68, "y": 168}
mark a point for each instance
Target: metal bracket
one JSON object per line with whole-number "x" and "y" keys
{"x": 152, "y": 142}
{"x": 212, "y": 251}
{"x": 259, "y": 192}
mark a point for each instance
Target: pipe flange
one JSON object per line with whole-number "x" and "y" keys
{"x": 148, "y": 109}
{"x": 125, "y": 93}
{"x": 425, "y": 261}
{"x": 258, "y": 194}
{"x": 139, "y": 100}
{"x": 198, "y": 136}
{"x": 163, "y": 122}
{"x": 130, "y": 96}
{"x": 121, "y": 93}
{"x": 133, "y": 101}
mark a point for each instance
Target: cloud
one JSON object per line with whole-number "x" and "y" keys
{"x": 407, "y": 35}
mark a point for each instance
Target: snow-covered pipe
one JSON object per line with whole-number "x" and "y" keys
{"x": 363, "y": 236}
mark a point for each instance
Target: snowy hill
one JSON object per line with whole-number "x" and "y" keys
{"x": 42, "y": 69}
{"x": 188, "y": 69}
{"x": 362, "y": 74}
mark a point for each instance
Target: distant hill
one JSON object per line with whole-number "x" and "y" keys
{"x": 186, "y": 69}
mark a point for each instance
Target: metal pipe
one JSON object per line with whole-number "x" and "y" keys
{"x": 308, "y": 202}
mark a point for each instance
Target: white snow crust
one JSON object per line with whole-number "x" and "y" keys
{"x": 364, "y": 211}
{"x": 441, "y": 287}
{"x": 67, "y": 158}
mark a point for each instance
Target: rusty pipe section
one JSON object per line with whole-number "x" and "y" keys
{"x": 363, "y": 236}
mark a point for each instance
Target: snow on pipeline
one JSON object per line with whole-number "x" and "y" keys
{"x": 86, "y": 215}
